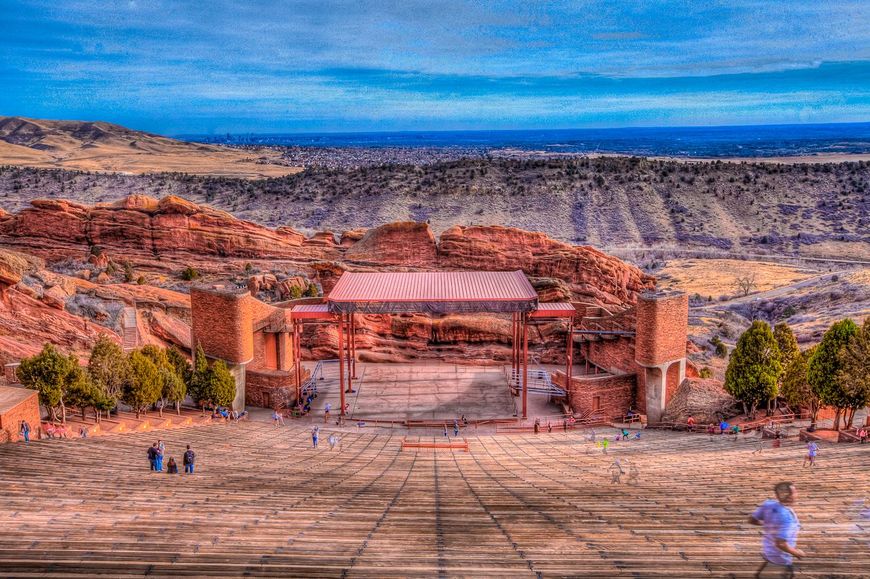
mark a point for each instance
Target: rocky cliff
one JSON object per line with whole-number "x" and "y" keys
{"x": 171, "y": 233}
{"x": 160, "y": 239}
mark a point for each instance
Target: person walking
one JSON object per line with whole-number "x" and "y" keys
{"x": 812, "y": 450}
{"x": 152, "y": 456}
{"x": 445, "y": 431}
{"x": 780, "y": 527}
{"x": 332, "y": 440}
{"x": 314, "y": 433}
{"x": 326, "y": 410}
{"x": 277, "y": 417}
{"x": 633, "y": 474}
{"x": 455, "y": 428}
{"x": 690, "y": 424}
{"x": 615, "y": 472}
{"x": 537, "y": 425}
{"x": 604, "y": 444}
{"x": 25, "y": 431}
{"x": 188, "y": 460}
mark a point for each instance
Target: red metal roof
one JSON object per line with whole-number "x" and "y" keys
{"x": 442, "y": 286}
{"x": 441, "y": 291}
{"x": 555, "y": 310}
{"x": 311, "y": 312}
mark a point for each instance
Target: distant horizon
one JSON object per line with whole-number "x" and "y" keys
{"x": 180, "y": 136}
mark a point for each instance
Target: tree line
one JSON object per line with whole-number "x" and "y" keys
{"x": 767, "y": 364}
{"x": 142, "y": 378}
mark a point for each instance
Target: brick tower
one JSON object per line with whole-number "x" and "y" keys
{"x": 660, "y": 348}
{"x": 222, "y": 323}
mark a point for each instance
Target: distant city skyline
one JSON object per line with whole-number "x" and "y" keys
{"x": 343, "y": 66}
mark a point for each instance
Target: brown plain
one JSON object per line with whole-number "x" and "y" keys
{"x": 104, "y": 147}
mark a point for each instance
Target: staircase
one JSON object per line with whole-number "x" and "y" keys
{"x": 129, "y": 329}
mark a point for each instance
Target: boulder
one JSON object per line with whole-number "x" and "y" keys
{"x": 407, "y": 244}
{"x": 704, "y": 399}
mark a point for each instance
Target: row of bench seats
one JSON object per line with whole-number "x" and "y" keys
{"x": 264, "y": 502}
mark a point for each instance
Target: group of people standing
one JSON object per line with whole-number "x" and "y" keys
{"x": 156, "y": 453}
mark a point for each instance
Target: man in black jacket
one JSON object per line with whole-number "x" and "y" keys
{"x": 152, "y": 456}
{"x": 189, "y": 459}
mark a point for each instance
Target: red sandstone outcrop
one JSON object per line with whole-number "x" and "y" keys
{"x": 140, "y": 226}
{"x": 173, "y": 233}
{"x": 592, "y": 274}
{"x": 405, "y": 243}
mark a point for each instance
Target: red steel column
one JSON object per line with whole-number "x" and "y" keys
{"x": 513, "y": 343}
{"x": 353, "y": 345}
{"x": 347, "y": 353}
{"x": 525, "y": 365}
{"x": 569, "y": 357}
{"x": 341, "y": 360}
{"x": 297, "y": 366}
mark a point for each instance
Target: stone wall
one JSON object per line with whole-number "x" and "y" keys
{"x": 270, "y": 388}
{"x": 615, "y": 393}
{"x": 26, "y": 409}
{"x": 618, "y": 357}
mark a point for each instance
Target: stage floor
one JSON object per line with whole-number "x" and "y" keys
{"x": 421, "y": 392}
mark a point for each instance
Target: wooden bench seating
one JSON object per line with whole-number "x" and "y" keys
{"x": 264, "y": 503}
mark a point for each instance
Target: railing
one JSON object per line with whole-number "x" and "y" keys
{"x": 539, "y": 382}
{"x": 310, "y": 384}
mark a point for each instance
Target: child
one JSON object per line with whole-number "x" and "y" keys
{"x": 172, "y": 466}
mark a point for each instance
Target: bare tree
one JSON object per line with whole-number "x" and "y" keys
{"x": 745, "y": 284}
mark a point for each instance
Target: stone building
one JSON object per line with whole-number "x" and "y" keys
{"x": 634, "y": 358}
{"x": 255, "y": 340}
{"x": 17, "y": 404}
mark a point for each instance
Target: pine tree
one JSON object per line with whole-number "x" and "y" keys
{"x": 144, "y": 386}
{"x": 184, "y": 372}
{"x": 796, "y": 388}
{"x": 824, "y": 366}
{"x": 854, "y": 374}
{"x": 754, "y": 367}
{"x": 53, "y": 375}
{"x": 787, "y": 343}
{"x": 108, "y": 371}
{"x": 220, "y": 384}
{"x": 197, "y": 388}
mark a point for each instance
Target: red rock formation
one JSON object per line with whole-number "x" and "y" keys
{"x": 173, "y": 233}
{"x": 139, "y": 226}
{"x": 592, "y": 274}
{"x": 406, "y": 243}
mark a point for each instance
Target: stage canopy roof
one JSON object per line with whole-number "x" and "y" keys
{"x": 440, "y": 292}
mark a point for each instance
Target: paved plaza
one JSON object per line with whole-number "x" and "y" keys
{"x": 420, "y": 392}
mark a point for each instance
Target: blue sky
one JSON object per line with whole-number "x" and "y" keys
{"x": 250, "y": 66}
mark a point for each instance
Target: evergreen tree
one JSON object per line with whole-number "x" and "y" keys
{"x": 198, "y": 388}
{"x": 219, "y": 384}
{"x": 108, "y": 371}
{"x": 854, "y": 374}
{"x": 174, "y": 388}
{"x": 144, "y": 386}
{"x": 754, "y": 367}
{"x": 796, "y": 388}
{"x": 179, "y": 363}
{"x": 824, "y": 366}
{"x": 81, "y": 392}
{"x": 787, "y": 343}
{"x": 53, "y": 375}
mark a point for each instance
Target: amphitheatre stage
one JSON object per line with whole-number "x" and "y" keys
{"x": 424, "y": 392}
{"x": 264, "y": 503}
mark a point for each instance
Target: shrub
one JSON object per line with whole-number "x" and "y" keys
{"x": 189, "y": 274}
{"x": 705, "y": 372}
